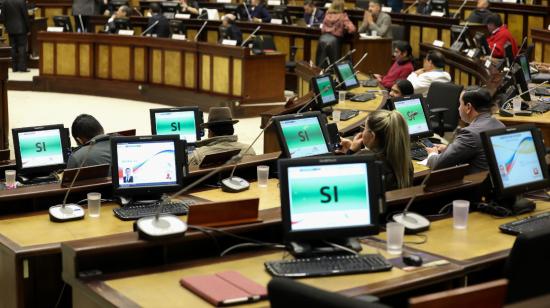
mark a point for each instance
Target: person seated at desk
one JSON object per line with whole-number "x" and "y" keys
{"x": 229, "y": 30}
{"x": 313, "y": 16}
{"x": 85, "y": 130}
{"x": 402, "y": 88}
{"x": 480, "y": 14}
{"x": 374, "y": 20}
{"x": 474, "y": 109}
{"x": 259, "y": 12}
{"x": 189, "y": 7}
{"x": 499, "y": 36}
{"x": 401, "y": 68}
{"x": 432, "y": 71}
{"x": 424, "y": 7}
{"x": 220, "y": 136}
{"x": 162, "y": 29}
{"x": 386, "y": 135}
{"x": 123, "y": 12}
{"x": 335, "y": 24}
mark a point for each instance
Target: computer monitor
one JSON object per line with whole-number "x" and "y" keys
{"x": 178, "y": 27}
{"x": 169, "y": 9}
{"x": 281, "y": 12}
{"x": 509, "y": 54}
{"x": 520, "y": 82}
{"x": 303, "y": 134}
{"x": 323, "y": 88}
{"x": 516, "y": 160}
{"x": 346, "y": 77}
{"x": 524, "y": 63}
{"x": 63, "y": 22}
{"x": 330, "y": 198}
{"x": 147, "y": 165}
{"x": 414, "y": 110}
{"x": 460, "y": 37}
{"x": 441, "y": 6}
{"x": 40, "y": 150}
{"x": 182, "y": 121}
{"x": 480, "y": 40}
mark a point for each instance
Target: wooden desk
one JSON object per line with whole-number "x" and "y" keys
{"x": 542, "y": 121}
{"x": 160, "y": 70}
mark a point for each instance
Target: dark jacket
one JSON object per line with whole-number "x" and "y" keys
{"x": 260, "y": 11}
{"x": 479, "y": 16}
{"x": 16, "y": 19}
{"x": 423, "y": 9}
{"x": 232, "y": 32}
{"x": 317, "y": 19}
{"x": 99, "y": 154}
{"x": 162, "y": 29}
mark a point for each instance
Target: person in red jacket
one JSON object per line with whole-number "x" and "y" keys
{"x": 401, "y": 68}
{"x": 499, "y": 36}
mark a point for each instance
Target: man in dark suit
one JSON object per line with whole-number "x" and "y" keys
{"x": 16, "y": 21}
{"x": 162, "y": 29}
{"x": 229, "y": 29}
{"x": 128, "y": 177}
{"x": 475, "y": 109}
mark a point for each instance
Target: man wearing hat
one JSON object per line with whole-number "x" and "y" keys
{"x": 221, "y": 136}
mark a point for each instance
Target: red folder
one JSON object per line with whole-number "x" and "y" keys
{"x": 225, "y": 288}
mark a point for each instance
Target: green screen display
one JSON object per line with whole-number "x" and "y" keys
{"x": 177, "y": 123}
{"x": 325, "y": 89}
{"x": 414, "y": 115}
{"x": 304, "y": 137}
{"x": 40, "y": 148}
{"x": 328, "y": 196}
{"x": 346, "y": 72}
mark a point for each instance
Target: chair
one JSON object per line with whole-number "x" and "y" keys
{"x": 486, "y": 295}
{"x": 398, "y": 32}
{"x": 443, "y": 100}
{"x": 527, "y": 268}
{"x": 285, "y": 293}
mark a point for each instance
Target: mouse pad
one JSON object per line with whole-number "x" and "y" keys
{"x": 426, "y": 259}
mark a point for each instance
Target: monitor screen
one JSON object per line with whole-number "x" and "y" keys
{"x": 342, "y": 201}
{"x": 40, "y": 148}
{"x": 346, "y": 75}
{"x": 524, "y": 63}
{"x": 520, "y": 82}
{"x": 517, "y": 158}
{"x": 412, "y": 110}
{"x": 176, "y": 122}
{"x": 330, "y": 197}
{"x": 325, "y": 90}
{"x": 303, "y": 136}
{"x": 146, "y": 164}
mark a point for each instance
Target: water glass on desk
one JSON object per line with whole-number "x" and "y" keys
{"x": 263, "y": 175}
{"x": 10, "y": 179}
{"x": 516, "y": 104}
{"x": 336, "y": 115}
{"x": 460, "y": 213}
{"x": 341, "y": 96}
{"x": 394, "y": 241}
{"x": 94, "y": 204}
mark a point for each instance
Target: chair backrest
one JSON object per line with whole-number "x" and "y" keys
{"x": 527, "y": 267}
{"x": 398, "y": 32}
{"x": 445, "y": 95}
{"x": 487, "y": 295}
{"x": 284, "y": 293}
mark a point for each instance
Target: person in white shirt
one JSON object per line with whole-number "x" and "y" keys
{"x": 432, "y": 71}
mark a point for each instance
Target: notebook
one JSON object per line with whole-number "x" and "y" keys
{"x": 224, "y": 288}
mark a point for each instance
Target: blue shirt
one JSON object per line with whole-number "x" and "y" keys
{"x": 260, "y": 12}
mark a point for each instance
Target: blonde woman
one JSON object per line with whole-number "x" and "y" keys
{"x": 386, "y": 135}
{"x": 335, "y": 24}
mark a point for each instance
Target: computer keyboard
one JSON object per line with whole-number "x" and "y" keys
{"x": 348, "y": 114}
{"x": 418, "y": 153}
{"x": 540, "y": 107}
{"x": 139, "y": 210}
{"x": 363, "y": 97}
{"x": 370, "y": 83}
{"x": 527, "y": 224}
{"x": 330, "y": 265}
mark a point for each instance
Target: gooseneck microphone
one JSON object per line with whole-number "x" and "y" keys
{"x": 349, "y": 53}
{"x": 200, "y": 30}
{"x": 67, "y": 212}
{"x": 413, "y": 222}
{"x": 460, "y": 9}
{"x": 150, "y": 28}
{"x": 409, "y": 7}
{"x": 251, "y": 35}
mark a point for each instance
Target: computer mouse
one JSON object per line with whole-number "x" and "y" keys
{"x": 412, "y": 260}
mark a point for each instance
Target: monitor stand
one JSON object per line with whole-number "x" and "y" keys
{"x": 319, "y": 248}
{"x": 27, "y": 180}
{"x": 516, "y": 205}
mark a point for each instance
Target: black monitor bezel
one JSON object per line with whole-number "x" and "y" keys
{"x": 493, "y": 164}
{"x": 282, "y": 141}
{"x": 418, "y": 136}
{"x": 480, "y": 40}
{"x": 528, "y": 73}
{"x": 181, "y": 166}
{"x": 520, "y": 82}
{"x": 195, "y": 109}
{"x": 65, "y": 144}
{"x": 341, "y": 78}
{"x": 376, "y": 197}
{"x": 318, "y": 98}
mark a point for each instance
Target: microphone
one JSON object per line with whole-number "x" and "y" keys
{"x": 150, "y": 28}
{"x": 360, "y": 60}
{"x": 349, "y": 53}
{"x": 409, "y": 7}
{"x": 460, "y": 8}
{"x": 200, "y": 30}
{"x": 458, "y": 47}
{"x": 67, "y": 212}
{"x": 413, "y": 222}
{"x": 250, "y": 36}
{"x": 137, "y": 11}
{"x": 522, "y": 45}
{"x": 505, "y": 105}
{"x": 81, "y": 23}
{"x": 247, "y": 11}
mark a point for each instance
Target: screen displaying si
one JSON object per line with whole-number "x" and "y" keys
{"x": 177, "y": 123}
{"x": 40, "y": 148}
{"x": 304, "y": 137}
